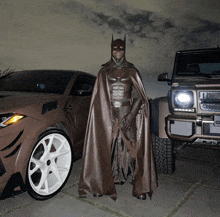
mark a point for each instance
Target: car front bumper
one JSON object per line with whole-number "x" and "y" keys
{"x": 192, "y": 129}
{"x": 15, "y": 145}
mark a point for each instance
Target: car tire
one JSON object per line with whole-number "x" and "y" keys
{"x": 164, "y": 154}
{"x": 49, "y": 165}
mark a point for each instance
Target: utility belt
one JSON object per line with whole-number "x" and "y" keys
{"x": 120, "y": 103}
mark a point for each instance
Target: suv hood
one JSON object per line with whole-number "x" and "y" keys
{"x": 198, "y": 81}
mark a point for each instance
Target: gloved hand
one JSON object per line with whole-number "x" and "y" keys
{"x": 127, "y": 121}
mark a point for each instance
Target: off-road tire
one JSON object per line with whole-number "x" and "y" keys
{"x": 164, "y": 154}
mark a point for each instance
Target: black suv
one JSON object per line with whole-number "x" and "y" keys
{"x": 191, "y": 112}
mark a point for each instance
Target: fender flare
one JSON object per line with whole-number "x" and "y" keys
{"x": 159, "y": 109}
{"x": 28, "y": 144}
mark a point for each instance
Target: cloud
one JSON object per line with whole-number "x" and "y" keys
{"x": 113, "y": 23}
{"x": 205, "y": 34}
{"x": 207, "y": 26}
{"x": 137, "y": 23}
{"x": 148, "y": 25}
{"x": 78, "y": 29}
{"x": 152, "y": 37}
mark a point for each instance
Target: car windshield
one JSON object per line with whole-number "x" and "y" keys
{"x": 36, "y": 81}
{"x": 198, "y": 64}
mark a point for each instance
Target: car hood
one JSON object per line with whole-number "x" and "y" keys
{"x": 29, "y": 104}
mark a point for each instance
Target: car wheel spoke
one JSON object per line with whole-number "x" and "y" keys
{"x": 60, "y": 151}
{"x": 46, "y": 186}
{"x": 63, "y": 169}
{"x": 50, "y": 143}
{"x": 38, "y": 165}
{"x": 43, "y": 179}
{"x": 47, "y": 147}
{"x": 58, "y": 154}
{"x": 56, "y": 173}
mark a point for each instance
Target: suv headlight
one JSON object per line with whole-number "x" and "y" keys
{"x": 183, "y": 99}
{"x": 7, "y": 119}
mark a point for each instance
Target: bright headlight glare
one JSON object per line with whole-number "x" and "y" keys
{"x": 183, "y": 99}
{"x": 13, "y": 119}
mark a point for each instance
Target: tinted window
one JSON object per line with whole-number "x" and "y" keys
{"x": 203, "y": 63}
{"x": 83, "y": 85}
{"x": 36, "y": 81}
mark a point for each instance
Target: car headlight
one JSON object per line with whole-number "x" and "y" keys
{"x": 183, "y": 99}
{"x": 7, "y": 119}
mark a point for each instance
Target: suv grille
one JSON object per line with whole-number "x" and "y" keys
{"x": 209, "y": 100}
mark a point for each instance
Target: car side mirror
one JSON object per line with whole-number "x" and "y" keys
{"x": 83, "y": 92}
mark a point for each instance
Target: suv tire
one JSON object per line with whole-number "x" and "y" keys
{"x": 164, "y": 154}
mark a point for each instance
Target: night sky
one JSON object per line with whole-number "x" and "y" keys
{"x": 55, "y": 34}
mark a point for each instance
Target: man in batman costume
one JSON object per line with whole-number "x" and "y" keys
{"x": 118, "y": 139}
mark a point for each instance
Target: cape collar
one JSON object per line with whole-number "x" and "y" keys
{"x": 119, "y": 64}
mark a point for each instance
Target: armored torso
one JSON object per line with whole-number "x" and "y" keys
{"x": 120, "y": 85}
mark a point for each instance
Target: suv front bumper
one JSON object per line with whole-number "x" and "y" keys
{"x": 192, "y": 129}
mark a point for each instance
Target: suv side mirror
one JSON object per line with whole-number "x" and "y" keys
{"x": 164, "y": 77}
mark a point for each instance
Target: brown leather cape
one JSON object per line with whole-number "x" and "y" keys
{"x": 96, "y": 175}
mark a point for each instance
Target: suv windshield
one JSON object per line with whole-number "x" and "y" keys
{"x": 199, "y": 64}
{"x": 36, "y": 81}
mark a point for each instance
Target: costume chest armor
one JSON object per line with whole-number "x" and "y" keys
{"x": 120, "y": 85}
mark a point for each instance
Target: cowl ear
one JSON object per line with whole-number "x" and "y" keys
{"x": 125, "y": 39}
